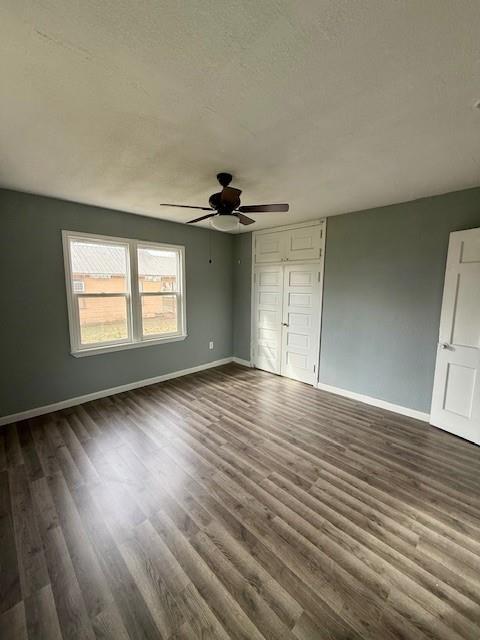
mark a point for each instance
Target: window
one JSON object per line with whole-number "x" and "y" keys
{"x": 78, "y": 286}
{"x": 122, "y": 293}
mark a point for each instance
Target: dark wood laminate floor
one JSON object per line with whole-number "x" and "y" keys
{"x": 236, "y": 504}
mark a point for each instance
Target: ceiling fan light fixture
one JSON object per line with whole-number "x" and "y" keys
{"x": 225, "y": 223}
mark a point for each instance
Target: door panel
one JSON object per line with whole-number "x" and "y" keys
{"x": 270, "y": 247}
{"x": 301, "y": 317}
{"x": 466, "y": 328}
{"x": 303, "y": 243}
{"x": 267, "y": 338}
{"x": 459, "y": 388}
{"x": 456, "y": 390}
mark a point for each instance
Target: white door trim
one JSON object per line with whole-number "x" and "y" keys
{"x": 322, "y": 279}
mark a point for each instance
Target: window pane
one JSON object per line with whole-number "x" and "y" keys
{"x": 159, "y": 315}
{"x": 78, "y": 286}
{"x": 98, "y": 268}
{"x": 103, "y": 319}
{"x": 157, "y": 269}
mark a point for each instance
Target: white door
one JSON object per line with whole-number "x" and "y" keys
{"x": 267, "y": 325}
{"x": 301, "y": 321}
{"x": 456, "y": 389}
{"x": 270, "y": 247}
{"x": 304, "y": 243}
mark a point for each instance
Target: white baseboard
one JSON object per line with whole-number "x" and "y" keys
{"x": 375, "y": 402}
{"x": 244, "y": 363}
{"x": 71, "y": 402}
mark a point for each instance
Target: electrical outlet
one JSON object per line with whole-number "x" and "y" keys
{"x": 210, "y": 344}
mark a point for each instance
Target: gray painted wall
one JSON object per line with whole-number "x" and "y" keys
{"x": 384, "y": 273}
{"x": 36, "y": 365}
{"x": 242, "y": 273}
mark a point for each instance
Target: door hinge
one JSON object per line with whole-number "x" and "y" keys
{"x": 319, "y": 274}
{"x": 314, "y": 368}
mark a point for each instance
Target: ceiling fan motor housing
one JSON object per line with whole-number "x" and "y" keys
{"x": 221, "y": 206}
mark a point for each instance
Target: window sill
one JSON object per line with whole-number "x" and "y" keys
{"x": 94, "y": 351}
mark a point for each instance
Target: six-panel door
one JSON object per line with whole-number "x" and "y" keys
{"x": 456, "y": 390}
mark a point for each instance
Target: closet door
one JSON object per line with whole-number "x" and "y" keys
{"x": 270, "y": 247}
{"x": 267, "y": 329}
{"x": 303, "y": 243}
{"x": 301, "y": 321}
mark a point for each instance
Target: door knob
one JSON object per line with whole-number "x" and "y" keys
{"x": 284, "y": 324}
{"x": 445, "y": 345}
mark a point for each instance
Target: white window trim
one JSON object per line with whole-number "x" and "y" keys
{"x": 133, "y": 297}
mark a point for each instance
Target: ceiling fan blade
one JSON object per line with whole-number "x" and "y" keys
{"x": 263, "y": 208}
{"x": 184, "y": 206}
{"x": 244, "y": 219}
{"x": 209, "y": 215}
{"x": 230, "y": 196}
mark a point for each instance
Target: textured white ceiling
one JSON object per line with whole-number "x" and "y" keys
{"x": 331, "y": 106}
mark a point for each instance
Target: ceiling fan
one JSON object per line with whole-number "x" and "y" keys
{"x": 225, "y": 209}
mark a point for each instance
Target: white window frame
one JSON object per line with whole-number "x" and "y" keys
{"x": 133, "y": 296}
